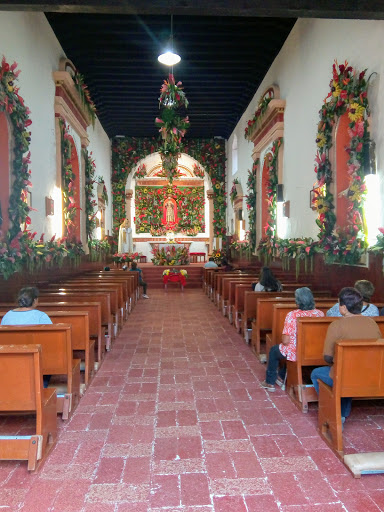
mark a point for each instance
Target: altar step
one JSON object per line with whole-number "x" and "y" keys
{"x": 153, "y": 275}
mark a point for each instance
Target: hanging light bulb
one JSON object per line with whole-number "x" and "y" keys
{"x": 169, "y": 58}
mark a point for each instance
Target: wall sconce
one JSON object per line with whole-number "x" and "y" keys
{"x": 280, "y": 193}
{"x": 49, "y": 206}
{"x": 286, "y": 209}
{"x": 369, "y": 158}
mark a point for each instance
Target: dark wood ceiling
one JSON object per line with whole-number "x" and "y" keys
{"x": 223, "y": 61}
{"x": 226, "y": 46}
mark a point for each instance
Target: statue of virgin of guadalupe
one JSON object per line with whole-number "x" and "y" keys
{"x": 125, "y": 244}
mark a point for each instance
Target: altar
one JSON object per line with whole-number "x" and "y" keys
{"x": 171, "y": 253}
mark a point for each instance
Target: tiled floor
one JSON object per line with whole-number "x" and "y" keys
{"x": 175, "y": 421}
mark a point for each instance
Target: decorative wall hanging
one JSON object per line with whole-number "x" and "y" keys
{"x": 169, "y": 208}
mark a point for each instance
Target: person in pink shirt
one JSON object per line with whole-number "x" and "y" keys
{"x": 287, "y": 348}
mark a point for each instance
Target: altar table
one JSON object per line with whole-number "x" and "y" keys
{"x": 174, "y": 278}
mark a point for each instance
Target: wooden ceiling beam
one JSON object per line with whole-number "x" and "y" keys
{"x": 369, "y": 9}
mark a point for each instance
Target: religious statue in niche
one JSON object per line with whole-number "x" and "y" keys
{"x": 170, "y": 211}
{"x": 125, "y": 238}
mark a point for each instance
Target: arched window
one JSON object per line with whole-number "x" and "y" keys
{"x": 4, "y": 172}
{"x": 235, "y": 155}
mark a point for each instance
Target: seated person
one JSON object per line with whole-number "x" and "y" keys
{"x": 366, "y": 289}
{"x": 27, "y": 314}
{"x": 267, "y": 282}
{"x": 135, "y": 268}
{"x": 210, "y": 263}
{"x": 353, "y": 325}
{"x": 287, "y": 349}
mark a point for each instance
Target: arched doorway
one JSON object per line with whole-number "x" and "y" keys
{"x": 75, "y": 229}
{"x": 342, "y": 177}
{"x": 4, "y": 172}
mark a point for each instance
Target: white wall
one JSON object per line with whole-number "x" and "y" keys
{"x": 28, "y": 39}
{"x": 303, "y": 70}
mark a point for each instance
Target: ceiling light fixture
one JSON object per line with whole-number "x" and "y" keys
{"x": 169, "y": 57}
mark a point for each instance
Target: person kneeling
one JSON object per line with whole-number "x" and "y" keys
{"x": 287, "y": 349}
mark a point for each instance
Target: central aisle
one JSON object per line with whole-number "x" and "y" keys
{"x": 175, "y": 421}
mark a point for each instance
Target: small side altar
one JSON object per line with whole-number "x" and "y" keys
{"x": 175, "y": 276}
{"x": 170, "y": 254}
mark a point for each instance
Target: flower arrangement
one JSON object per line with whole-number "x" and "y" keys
{"x": 127, "y": 152}
{"x": 141, "y": 172}
{"x": 170, "y": 255}
{"x": 85, "y": 96}
{"x": 90, "y": 202}
{"x": 348, "y": 95}
{"x": 13, "y": 104}
{"x": 183, "y": 272}
{"x": 126, "y": 257}
{"x": 233, "y": 192}
{"x": 166, "y": 272}
{"x": 260, "y": 111}
{"x": 99, "y": 249}
{"x": 198, "y": 171}
{"x": 217, "y": 255}
{"x": 172, "y": 126}
{"x": 379, "y": 245}
{"x": 240, "y": 245}
{"x": 149, "y": 209}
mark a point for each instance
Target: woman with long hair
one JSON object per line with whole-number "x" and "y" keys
{"x": 267, "y": 282}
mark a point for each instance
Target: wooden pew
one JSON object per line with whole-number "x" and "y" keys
{"x": 218, "y": 282}
{"x": 106, "y": 280}
{"x": 57, "y": 359}
{"x": 113, "y": 290}
{"x": 102, "y": 298}
{"x": 225, "y": 290}
{"x": 358, "y": 373}
{"x": 231, "y": 287}
{"x": 21, "y": 391}
{"x": 80, "y": 337}
{"x": 264, "y": 315}
{"x": 237, "y": 301}
{"x": 130, "y": 278}
{"x": 210, "y": 280}
{"x": 96, "y": 332}
{"x": 280, "y": 311}
{"x": 250, "y": 303}
{"x": 311, "y": 333}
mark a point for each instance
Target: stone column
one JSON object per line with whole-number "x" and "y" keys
{"x": 128, "y": 198}
{"x": 210, "y": 206}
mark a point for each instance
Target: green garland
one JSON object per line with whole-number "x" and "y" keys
{"x": 250, "y": 200}
{"x": 260, "y": 111}
{"x": 13, "y": 104}
{"x": 90, "y": 202}
{"x": 233, "y": 191}
{"x": 348, "y": 95}
{"x": 210, "y": 153}
{"x": 85, "y": 96}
